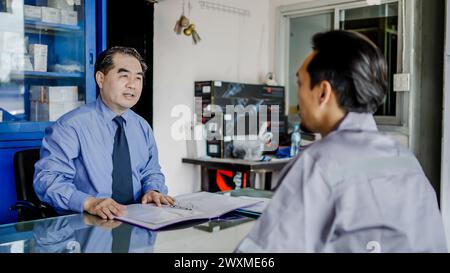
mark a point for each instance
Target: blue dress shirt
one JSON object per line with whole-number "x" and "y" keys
{"x": 76, "y": 157}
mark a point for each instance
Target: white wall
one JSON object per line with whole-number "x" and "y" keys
{"x": 232, "y": 49}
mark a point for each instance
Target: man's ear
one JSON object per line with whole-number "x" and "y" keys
{"x": 100, "y": 77}
{"x": 326, "y": 93}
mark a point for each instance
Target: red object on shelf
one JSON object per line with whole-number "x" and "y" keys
{"x": 222, "y": 180}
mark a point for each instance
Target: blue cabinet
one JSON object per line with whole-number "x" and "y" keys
{"x": 47, "y": 57}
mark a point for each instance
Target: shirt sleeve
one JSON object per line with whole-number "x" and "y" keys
{"x": 152, "y": 177}
{"x": 55, "y": 171}
{"x": 297, "y": 218}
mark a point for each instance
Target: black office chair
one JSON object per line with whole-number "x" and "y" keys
{"x": 28, "y": 205}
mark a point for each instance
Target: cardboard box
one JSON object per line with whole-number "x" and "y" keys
{"x": 51, "y": 94}
{"x": 69, "y": 17}
{"x": 51, "y": 111}
{"x": 32, "y": 12}
{"x": 39, "y": 54}
{"x": 60, "y": 4}
{"x": 51, "y": 15}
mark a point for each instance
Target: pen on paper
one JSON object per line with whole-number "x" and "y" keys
{"x": 187, "y": 206}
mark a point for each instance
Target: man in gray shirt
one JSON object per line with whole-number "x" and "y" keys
{"x": 356, "y": 190}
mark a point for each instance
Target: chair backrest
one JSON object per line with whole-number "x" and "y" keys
{"x": 24, "y": 170}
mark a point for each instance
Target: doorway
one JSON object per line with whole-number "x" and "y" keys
{"x": 131, "y": 25}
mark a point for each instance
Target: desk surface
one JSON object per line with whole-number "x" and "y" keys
{"x": 83, "y": 233}
{"x": 238, "y": 164}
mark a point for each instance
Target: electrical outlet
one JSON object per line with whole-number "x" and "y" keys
{"x": 402, "y": 82}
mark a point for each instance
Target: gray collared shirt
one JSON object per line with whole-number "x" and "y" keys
{"x": 356, "y": 190}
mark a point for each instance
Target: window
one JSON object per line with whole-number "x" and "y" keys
{"x": 302, "y": 29}
{"x": 5, "y": 5}
{"x": 380, "y": 23}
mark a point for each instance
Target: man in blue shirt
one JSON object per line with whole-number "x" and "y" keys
{"x": 102, "y": 155}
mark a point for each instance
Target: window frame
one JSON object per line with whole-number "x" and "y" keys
{"x": 286, "y": 13}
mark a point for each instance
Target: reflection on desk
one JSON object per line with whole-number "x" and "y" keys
{"x": 83, "y": 233}
{"x": 89, "y": 234}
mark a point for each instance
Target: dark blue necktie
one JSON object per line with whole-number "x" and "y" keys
{"x": 121, "y": 238}
{"x": 122, "y": 185}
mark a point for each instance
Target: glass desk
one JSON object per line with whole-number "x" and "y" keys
{"x": 84, "y": 233}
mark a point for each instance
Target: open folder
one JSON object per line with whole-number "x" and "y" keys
{"x": 195, "y": 206}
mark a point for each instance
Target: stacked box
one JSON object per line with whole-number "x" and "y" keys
{"x": 51, "y": 111}
{"x": 58, "y": 4}
{"x": 32, "y": 12}
{"x": 69, "y": 17}
{"x": 51, "y": 15}
{"x": 48, "y": 103}
{"x": 39, "y": 54}
{"x": 54, "y": 93}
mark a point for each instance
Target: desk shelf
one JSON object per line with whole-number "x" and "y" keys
{"x": 252, "y": 167}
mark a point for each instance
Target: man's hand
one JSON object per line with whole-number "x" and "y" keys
{"x": 157, "y": 198}
{"x": 106, "y": 208}
{"x": 92, "y": 220}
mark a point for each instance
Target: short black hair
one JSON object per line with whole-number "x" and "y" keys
{"x": 105, "y": 62}
{"x": 354, "y": 66}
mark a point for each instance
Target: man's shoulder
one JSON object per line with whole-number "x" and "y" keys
{"x": 82, "y": 115}
{"x": 342, "y": 150}
{"x": 342, "y": 145}
{"x": 140, "y": 121}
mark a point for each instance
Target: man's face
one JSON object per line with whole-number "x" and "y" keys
{"x": 121, "y": 87}
{"x": 308, "y": 99}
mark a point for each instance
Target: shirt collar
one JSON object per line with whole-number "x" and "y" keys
{"x": 358, "y": 122}
{"x": 107, "y": 114}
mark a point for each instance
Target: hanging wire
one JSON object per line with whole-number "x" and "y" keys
{"x": 224, "y": 8}
{"x": 189, "y": 8}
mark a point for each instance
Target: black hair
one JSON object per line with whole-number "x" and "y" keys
{"x": 355, "y": 68}
{"x": 105, "y": 62}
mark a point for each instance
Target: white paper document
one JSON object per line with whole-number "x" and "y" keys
{"x": 205, "y": 205}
